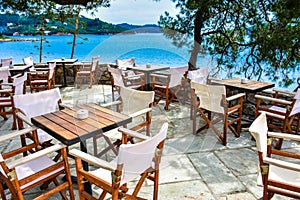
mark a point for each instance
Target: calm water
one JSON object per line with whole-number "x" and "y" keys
{"x": 145, "y": 48}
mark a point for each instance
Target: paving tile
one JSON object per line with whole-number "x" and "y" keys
{"x": 215, "y": 174}
{"x": 177, "y": 168}
{"x": 240, "y": 161}
{"x": 238, "y": 196}
{"x": 189, "y": 190}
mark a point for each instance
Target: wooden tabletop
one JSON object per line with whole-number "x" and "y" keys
{"x": 64, "y": 126}
{"x": 249, "y": 86}
{"x": 150, "y": 69}
{"x": 16, "y": 68}
{"x": 66, "y": 60}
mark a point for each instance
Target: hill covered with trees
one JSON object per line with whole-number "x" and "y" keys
{"x": 11, "y": 24}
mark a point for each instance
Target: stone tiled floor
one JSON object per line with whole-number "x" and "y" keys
{"x": 193, "y": 167}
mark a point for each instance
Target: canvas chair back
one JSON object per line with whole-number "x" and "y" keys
{"x": 200, "y": 75}
{"x": 259, "y": 130}
{"x": 117, "y": 76}
{"x": 95, "y": 62}
{"x": 51, "y": 70}
{"x": 210, "y": 96}
{"x": 176, "y": 75}
{"x": 123, "y": 64}
{"x": 38, "y": 103}
{"x": 19, "y": 83}
{"x": 137, "y": 158}
{"x": 296, "y": 107}
{"x": 6, "y": 62}
{"x": 135, "y": 100}
{"x": 4, "y": 74}
{"x": 28, "y": 61}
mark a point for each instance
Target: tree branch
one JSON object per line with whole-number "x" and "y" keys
{"x": 72, "y": 2}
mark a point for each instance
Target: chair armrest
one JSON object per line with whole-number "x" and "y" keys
{"x": 281, "y": 101}
{"x": 284, "y": 135}
{"x": 236, "y": 96}
{"x": 111, "y": 104}
{"x": 24, "y": 118}
{"x": 17, "y": 133}
{"x": 133, "y": 134}
{"x": 289, "y": 93}
{"x": 132, "y": 77}
{"x": 62, "y": 106}
{"x": 6, "y": 84}
{"x": 92, "y": 160}
{"x": 16, "y": 76}
{"x": 140, "y": 112}
{"x": 35, "y": 155}
{"x": 282, "y": 164}
{"x": 159, "y": 76}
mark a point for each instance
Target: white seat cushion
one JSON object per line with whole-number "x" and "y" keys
{"x": 33, "y": 167}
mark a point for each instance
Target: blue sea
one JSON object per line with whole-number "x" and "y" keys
{"x": 145, "y": 48}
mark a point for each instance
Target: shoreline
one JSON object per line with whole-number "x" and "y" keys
{"x": 17, "y": 39}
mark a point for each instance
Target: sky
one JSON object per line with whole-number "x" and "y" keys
{"x": 136, "y": 12}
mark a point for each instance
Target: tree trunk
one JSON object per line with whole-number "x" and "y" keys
{"x": 197, "y": 41}
{"x": 41, "y": 45}
{"x": 75, "y": 33}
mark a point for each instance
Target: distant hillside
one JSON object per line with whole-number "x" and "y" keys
{"x": 15, "y": 24}
{"x": 148, "y": 28}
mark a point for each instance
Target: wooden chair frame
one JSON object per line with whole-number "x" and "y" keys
{"x": 7, "y": 90}
{"x": 43, "y": 79}
{"x": 114, "y": 187}
{"x": 119, "y": 80}
{"x": 139, "y": 127}
{"x": 165, "y": 87}
{"x": 89, "y": 70}
{"x": 229, "y": 110}
{"x": 12, "y": 164}
{"x": 278, "y": 114}
{"x": 271, "y": 159}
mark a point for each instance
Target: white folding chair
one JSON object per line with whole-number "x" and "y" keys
{"x": 21, "y": 173}
{"x": 88, "y": 72}
{"x": 134, "y": 160}
{"x": 168, "y": 86}
{"x": 138, "y": 105}
{"x": 119, "y": 80}
{"x": 7, "y": 91}
{"x": 35, "y": 104}
{"x": 6, "y": 62}
{"x": 283, "y": 115}
{"x": 200, "y": 76}
{"x": 42, "y": 80}
{"x": 214, "y": 107}
{"x": 278, "y": 170}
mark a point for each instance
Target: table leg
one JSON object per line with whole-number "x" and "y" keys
{"x": 64, "y": 75}
{"x": 85, "y": 166}
{"x": 148, "y": 86}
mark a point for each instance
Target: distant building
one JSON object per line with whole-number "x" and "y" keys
{"x": 47, "y": 32}
{"x": 9, "y": 24}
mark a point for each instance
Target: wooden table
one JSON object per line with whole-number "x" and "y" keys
{"x": 148, "y": 70}
{"x": 251, "y": 86}
{"x": 16, "y": 69}
{"x": 64, "y": 126}
{"x": 63, "y": 62}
